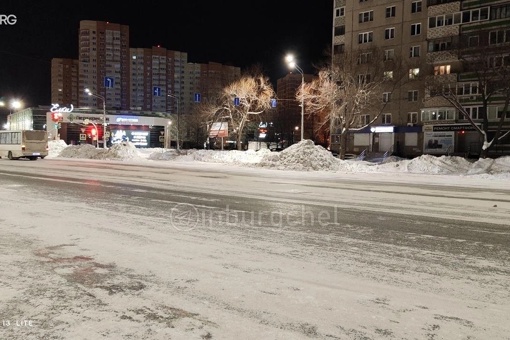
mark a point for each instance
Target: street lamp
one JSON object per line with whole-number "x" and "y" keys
{"x": 295, "y": 129}
{"x": 293, "y": 65}
{"x": 177, "y": 127}
{"x": 14, "y": 104}
{"x": 168, "y": 143}
{"x": 104, "y": 113}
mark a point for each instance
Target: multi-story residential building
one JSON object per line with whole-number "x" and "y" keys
{"x": 396, "y": 30}
{"x": 430, "y": 39}
{"x": 468, "y": 49}
{"x": 104, "y": 64}
{"x": 64, "y": 81}
{"x": 202, "y": 83}
{"x": 133, "y": 81}
{"x": 156, "y": 78}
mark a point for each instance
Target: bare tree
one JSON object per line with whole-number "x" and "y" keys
{"x": 489, "y": 70}
{"x": 351, "y": 87}
{"x": 205, "y": 113}
{"x": 239, "y": 101}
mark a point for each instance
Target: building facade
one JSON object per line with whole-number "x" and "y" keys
{"x": 64, "y": 81}
{"x": 84, "y": 125}
{"x": 430, "y": 39}
{"x": 104, "y": 64}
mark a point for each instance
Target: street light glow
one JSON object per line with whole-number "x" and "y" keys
{"x": 16, "y": 104}
{"x": 13, "y": 105}
{"x": 291, "y": 63}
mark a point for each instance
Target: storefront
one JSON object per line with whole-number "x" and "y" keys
{"x": 403, "y": 141}
{"x": 448, "y": 139}
{"x": 82, "y": 127}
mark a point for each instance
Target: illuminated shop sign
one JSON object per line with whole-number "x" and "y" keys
{"x": 458, "y": 127}
{"x": 78, "y": 118}
{"x": 55, "y": 108}
{"x": 136, "y": 137}
{"x": 382, "y": 129}
{"x": 129, "y": 120}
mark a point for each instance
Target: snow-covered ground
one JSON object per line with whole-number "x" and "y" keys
{"x": 303, "y": 156}
{"x": 93, "y": 251}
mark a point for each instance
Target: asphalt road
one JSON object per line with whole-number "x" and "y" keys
{"x": 416, "y": 258}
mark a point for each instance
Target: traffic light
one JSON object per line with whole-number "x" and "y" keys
{"x": 56, "y": 116}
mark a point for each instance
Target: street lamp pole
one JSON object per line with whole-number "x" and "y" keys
{"x": 104, "y": 113}
{"x": 293, "y": 65}
{"x": 177, "y": 127}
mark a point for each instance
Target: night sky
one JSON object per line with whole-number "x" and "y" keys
{"x": 242, "y": 34}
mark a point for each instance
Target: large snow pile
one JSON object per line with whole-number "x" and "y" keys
{"x": 303, "y": 156}
{"x": 488, "y": 167}
{"x": 163, "y": 154}
{"x": 124, "y": 150}
{"x": 428, "y": 164}
{"x": 121, "y": 151}
{"x": 87, "y": 151}
{"x": 55, "y": 147}
{"x": 228, "y": 156}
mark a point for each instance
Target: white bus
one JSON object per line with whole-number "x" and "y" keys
{"x": 31, "y": 144}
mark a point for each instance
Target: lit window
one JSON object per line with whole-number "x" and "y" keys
{"x": 440, "y": 70}
{"x": 414, "y": 73}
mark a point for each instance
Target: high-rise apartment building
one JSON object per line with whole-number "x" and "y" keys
{"x": 135, "y": 81}
{"x": 431, "y": 39}
{"x": 104, "y": 64}
{"x": 64, "y": 81}
{"x": 156, "y": 78}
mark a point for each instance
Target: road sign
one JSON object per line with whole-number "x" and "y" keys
{"x": 197, "y": 97}
{"x": 156, "y": 91}
{"x": 83, "y": 136}
{"x": 236, "y": 101}
{"x": 161, "y": 139}
{"x": 109, "y": 82}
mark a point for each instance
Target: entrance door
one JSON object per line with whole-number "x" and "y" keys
{"x": 385, "y": 141}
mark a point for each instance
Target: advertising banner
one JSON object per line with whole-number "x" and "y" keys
{"x": 219, "y": 129}
{"x": 438, "y": 142}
